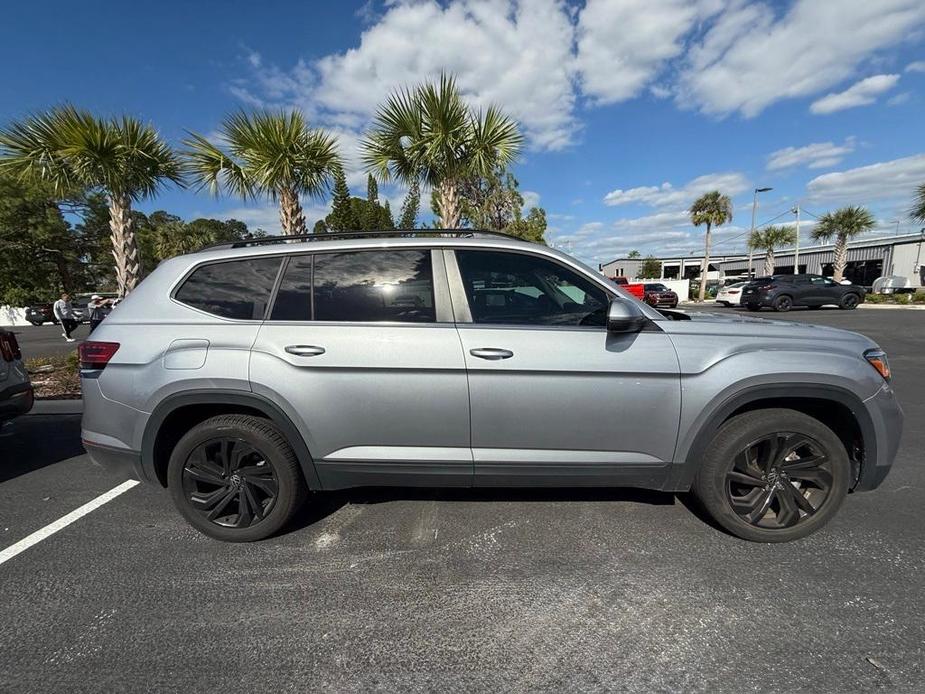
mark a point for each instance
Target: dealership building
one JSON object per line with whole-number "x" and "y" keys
{"x": 868, "y": 259}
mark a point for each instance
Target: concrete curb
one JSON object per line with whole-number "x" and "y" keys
{"x": 62, "y": 406}
{"x": 894, "y": 306}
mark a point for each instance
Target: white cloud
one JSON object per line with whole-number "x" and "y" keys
{"x": 888, "y": 180}
{"x": 266, "y": 216}
{"x": 917, "y": 66}
{"x": 751, "y": 57}
{"x": 899, "y": 99}
{"x": 623, "y": 45}
{"x": 859, "y": 94}
{"x": 731, "y": 183}
{"x": 815, "y": 156}
{"x": 531, "y": 199}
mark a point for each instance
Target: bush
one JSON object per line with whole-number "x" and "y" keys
{"x": 904, "y": 298}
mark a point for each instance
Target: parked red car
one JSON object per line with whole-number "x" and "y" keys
{"x": 657, "y": 294}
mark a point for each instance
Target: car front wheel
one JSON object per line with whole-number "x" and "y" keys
{"x": 783, "y": 303}
{"x": 849, "y": 302}
{"x": 773, "y": 475}
{"x": 235, "y": 478}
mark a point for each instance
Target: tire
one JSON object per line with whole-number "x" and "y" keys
{"x": 753, "y": 307}
{"x": 782, "y": 303}
{"x": 849, "y": 301}
{"x": 253, "y": 444}
{"x": 718, "y": 489}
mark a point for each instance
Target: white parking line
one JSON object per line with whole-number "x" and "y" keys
{"x": 64, "y": 521}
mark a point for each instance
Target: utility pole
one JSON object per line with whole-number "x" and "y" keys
{"x": 796, "y": 251}
{"x": 754, "y": 217}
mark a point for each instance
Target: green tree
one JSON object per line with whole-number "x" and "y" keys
{"x": 372, "y": 214}
{"x": 632, "y": 255}
{"x": 842, "y": 225}
{"x": 651, "y": 268}
{"x": 342, "y": 216}
{"x": 320, "y": 227}
{"x": 712, "y": 209}
{"x": 410, "y": 207}
{"x": 274, "y": 155}
{"x": 918, "y": 208}
{"x": 533, "y": 228}
{"x": 428, "y": 134}
{"x": 74, "y": 151}
{"x": 492, "y": 201}
{"x": 768, "y": 239}
{"x": 386, "y": 222}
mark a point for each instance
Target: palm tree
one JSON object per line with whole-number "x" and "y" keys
{"x": 768, "y": 239}
{"x": 918, "y": 210}
{"x": 843, "y": 224}
{"x": 428, "y": 134}
{"x": 268, "y": 154}
{"x": 712, "y": 209}
{"x": 74, "y": 151}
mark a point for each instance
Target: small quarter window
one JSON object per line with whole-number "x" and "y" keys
{"x": 237, "y": 289}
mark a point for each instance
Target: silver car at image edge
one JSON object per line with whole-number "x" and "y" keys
{"x": 245, "y": 377}
{"x": 16, "y": 393}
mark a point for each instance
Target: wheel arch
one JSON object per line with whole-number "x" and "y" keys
{"x": 178, "y": 413}
{"x": 838, "y": 408}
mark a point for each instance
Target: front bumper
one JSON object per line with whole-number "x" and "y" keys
{"x": 886, "y": 417}
{"x": 16, "y": 400}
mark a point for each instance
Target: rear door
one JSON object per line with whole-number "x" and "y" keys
{"x": 555, "y": 398}
{"x": 361, "y": 347}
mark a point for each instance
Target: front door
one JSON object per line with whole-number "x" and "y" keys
{"x": 556, "y": 399}
{"x": 362, "y": 349}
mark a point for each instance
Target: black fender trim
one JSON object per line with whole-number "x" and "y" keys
{"x": 684, "y": 471}
{"x": 227, "y": 397}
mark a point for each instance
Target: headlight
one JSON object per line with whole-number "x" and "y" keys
{"x": 877, "y": 359}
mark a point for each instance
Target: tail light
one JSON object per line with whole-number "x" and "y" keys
{"x": 733, "y": 291}
{"x": 766, "y": 287}
{"x": 9, "y": 347}
{"x": 95, "y": 355}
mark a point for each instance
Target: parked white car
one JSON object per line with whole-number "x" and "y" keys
{"x": 731, "y": 294}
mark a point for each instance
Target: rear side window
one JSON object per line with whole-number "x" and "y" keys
{"x": 373, "y": 286}
{"x": 235, "y": 289}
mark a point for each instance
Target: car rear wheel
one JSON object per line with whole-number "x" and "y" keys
{"x": 235, "y": 478}
{"x": 773, "y": 475}
{"x": 849, "y": 302}
{"x": 783, "y": 303}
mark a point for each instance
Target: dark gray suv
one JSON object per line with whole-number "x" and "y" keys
{"x": 246, "y": 376}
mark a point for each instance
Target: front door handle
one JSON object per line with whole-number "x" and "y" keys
{"x": 492, "y": 353}
{"x": 305, "y": 350}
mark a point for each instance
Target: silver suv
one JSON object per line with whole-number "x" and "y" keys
{"x": 244, "y": 377}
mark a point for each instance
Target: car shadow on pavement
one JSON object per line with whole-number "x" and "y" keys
{"x": 36, "y": 441}
{"x": 323, "y": 504}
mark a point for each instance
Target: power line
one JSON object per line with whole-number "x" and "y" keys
{"x": 763, "y": 224}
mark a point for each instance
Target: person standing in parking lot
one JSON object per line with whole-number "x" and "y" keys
{"x": 96, "y": 306}
{"x": 64, "y": 312}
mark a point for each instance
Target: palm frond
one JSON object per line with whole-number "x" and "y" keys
{"x": 918, "y": 209}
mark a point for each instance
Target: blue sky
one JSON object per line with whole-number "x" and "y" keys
{"x": 631, "y": 107}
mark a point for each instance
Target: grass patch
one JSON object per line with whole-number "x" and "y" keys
{"x": 55, "y": 377}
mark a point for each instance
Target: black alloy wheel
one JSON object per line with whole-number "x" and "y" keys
{"x": 850, "y": 301}
{"x": 230, "y": 483}
{"x": 783, "y": 303}
{"x": 779, "y": 480}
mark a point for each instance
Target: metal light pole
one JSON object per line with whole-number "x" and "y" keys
{"x": 796, "y": 250}
{"x": 751, "y": 251}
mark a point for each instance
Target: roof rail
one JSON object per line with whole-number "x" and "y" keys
{"x": 334, "y": 235}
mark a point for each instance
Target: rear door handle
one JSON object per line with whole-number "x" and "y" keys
{"x": 493, "y": 353}
{"x": 305, "y": 350}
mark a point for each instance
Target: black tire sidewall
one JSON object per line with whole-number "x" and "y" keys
{"x": 733, "y": 436}
{"x": 783, "y": 304}
{"x": 846, "y": 302}
{"x": 251, "y": 430}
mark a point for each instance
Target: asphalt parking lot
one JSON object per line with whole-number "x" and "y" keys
{"x": 418, "y": 590}
{"x": 47, "y": 340}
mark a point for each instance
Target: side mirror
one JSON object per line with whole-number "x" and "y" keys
{"x": 624, "y": 317}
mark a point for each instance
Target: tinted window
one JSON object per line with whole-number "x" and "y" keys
{"x": 521, "y": 289}
{"x": 236, "y": 289}
{"x": 374, "y": 286}
{"x": 294, "y": 298}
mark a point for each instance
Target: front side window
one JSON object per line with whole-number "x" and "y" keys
{"x": 519, "y": 289}
{"x": 237, "y": 289}
{"x": 364, "y": 286}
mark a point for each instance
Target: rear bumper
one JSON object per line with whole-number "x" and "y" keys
{"x": 886, "y": 416}
{"x": 119, "y": 461}
{"x": 16, "y": 400}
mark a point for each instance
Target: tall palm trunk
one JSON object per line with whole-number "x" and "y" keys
{"x": 841, "y": 257}
{"x": 448, "y": 199}
{"x": 124, "y": 243}
{"x": 704, "y": 268}
{"x": 769, "y": 262}
{"x": 291, "y": 218}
